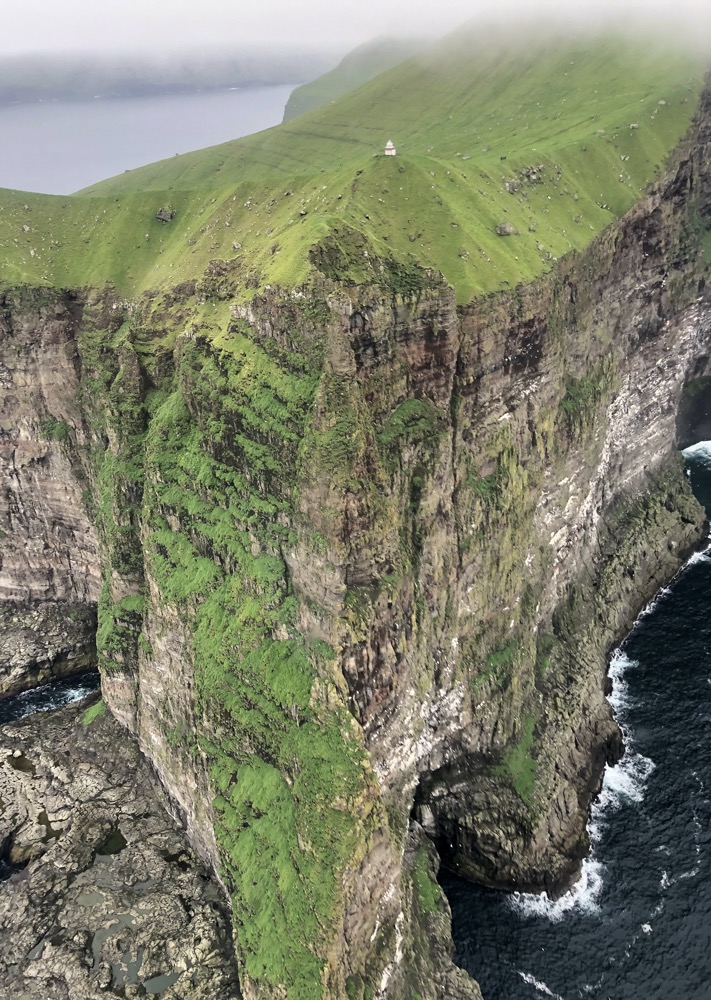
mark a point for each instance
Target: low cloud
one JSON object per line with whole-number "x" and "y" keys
{"x": 160, "y": 26}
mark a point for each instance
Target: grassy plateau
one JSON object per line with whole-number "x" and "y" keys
{"x": 548, "y": 142}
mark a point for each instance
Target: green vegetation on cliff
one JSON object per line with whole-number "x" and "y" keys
{"x": 195, "y": 484}
{"x": 546, "y": 144}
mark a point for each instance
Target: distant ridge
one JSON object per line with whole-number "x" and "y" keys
{"x": 358, "y": 67}
{"x": 82, "y": 76}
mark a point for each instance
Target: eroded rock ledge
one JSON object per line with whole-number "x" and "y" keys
{"x": 110, "y": 899}
{"x": 44, "y": 641}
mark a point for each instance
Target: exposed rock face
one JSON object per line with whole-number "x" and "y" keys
{"x": 365, "y": 553}
{"x": 111, "y": 895}
{"x": 44, "y": 641}
{"x": 48, "y": 545}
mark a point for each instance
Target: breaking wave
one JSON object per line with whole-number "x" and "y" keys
{"x": 624, "y": 782}
{"x": 699, "y": 452}
{"x": 539, "y": 985}
{"x": 700, "y": 557}
{"x": 48, "y": 697}
{"x": 583, "y": 897}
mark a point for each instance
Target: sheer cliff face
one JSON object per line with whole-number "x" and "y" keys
{"x": 49, "y": 543}
{"x": 361, "y": 558}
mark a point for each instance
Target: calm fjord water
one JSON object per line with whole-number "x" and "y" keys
{"x": 57, "y": 147}
{"x": 638, "y": 924}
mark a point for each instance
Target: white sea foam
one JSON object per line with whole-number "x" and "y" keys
{"x": 627, "y": 780}
{"x": 699, "y": 452}
{"x": 49, "y": 697}
{"x": 619, "y": 696}
{"x": 664, "y": 592}
{"x": 699, "y": 557}
{"x": 538, "y": 984}
{"x": 582, "y": 897}
{"x": 592, "y": 988}
{"x": 623, "y": 783}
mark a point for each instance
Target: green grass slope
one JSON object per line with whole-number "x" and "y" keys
{"x": 537, "y": 140}
{"x": 358, "y": 67}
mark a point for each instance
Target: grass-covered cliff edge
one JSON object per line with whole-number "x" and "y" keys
{"x": 374, "y": 487}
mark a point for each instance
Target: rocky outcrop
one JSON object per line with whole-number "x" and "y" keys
{"x": 49, "y": 566}
{"x": 44, "y": 641}
{"x": 110, "y": 899}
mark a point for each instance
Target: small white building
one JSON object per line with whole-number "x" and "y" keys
{"x": 390, "y": 148}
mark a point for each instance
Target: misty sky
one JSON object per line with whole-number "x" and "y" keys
{"x": 161, "y": 25}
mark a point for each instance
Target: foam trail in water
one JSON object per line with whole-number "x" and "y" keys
{"x": 538, "y": 984}
{"x": 625, "y": 782}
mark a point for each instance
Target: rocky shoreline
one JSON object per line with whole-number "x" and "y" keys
{"x": 110, "y": 899}
{"x": 44, "y": 641}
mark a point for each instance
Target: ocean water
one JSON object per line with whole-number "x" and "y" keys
{"x": 61, "y": 146}
{"x": 47, "y": 697}
{"x": 637, "y": 925}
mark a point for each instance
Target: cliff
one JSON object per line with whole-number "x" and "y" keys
{"x": 362, "y": 552}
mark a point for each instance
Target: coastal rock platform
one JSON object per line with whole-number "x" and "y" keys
{"x": 105, "y": 897}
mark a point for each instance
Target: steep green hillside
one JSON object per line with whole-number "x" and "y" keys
{"x": 547, "y": 144}
{"x": 358, "y": 67}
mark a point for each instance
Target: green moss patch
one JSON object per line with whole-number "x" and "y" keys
{"x": 426, "y": 887}
{"x": 94, "y": 712}
{"x": 518, "y": 765}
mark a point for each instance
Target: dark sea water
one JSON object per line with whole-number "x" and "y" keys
{"x": 47, "y": 697}
{"x": 637, "y": 926}
{"x": 60, "y": 146}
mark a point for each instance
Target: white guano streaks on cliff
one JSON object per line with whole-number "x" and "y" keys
{"x": 640, "y": 431}
{"x": 421, "y": 734}
{"x": 397, "y": 957}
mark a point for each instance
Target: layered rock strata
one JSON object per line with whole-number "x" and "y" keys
{"x": 49, "y": 565}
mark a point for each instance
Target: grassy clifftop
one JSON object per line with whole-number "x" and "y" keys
{"x": 546, "y": 143}
{"x": 358, "y": 67}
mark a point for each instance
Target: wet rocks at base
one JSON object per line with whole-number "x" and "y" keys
{"x": 106, "y": 897}
{"x": 44, "y": 640}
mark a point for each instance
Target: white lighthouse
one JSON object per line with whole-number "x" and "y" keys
{"x": 390, "y": 148}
